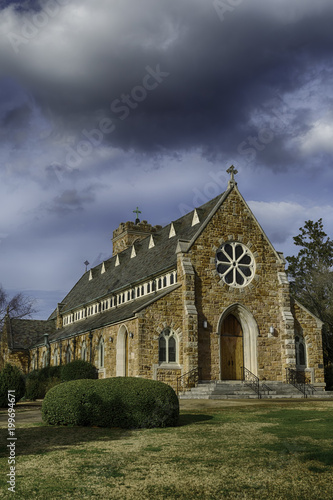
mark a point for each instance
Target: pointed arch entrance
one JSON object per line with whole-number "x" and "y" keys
{"x": 231, "y": 349}
{"x": 122, "y": 352}
{"x": 238, "y": 332}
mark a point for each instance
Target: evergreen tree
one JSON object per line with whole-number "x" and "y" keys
{"x": 11, "y": 378}
{"x": 311, "y": 277}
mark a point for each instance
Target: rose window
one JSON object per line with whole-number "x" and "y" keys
{"x": 235, "y": 264}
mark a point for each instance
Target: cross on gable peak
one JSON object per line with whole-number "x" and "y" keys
{"x": 232, "y": 171}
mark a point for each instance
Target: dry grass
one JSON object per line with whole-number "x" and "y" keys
{"x": 252, "y": 452}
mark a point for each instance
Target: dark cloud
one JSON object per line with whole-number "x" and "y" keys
{"x": 105, "y": 105}
{"x": 17, "y": 118}
{"x": 218, "y": 72}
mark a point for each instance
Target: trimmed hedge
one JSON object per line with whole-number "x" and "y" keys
{"x": 39, "y": 382}
{"x": 78, "y": 369}
{"x": 125, "y": 402}
{"x": 11, "y": 378}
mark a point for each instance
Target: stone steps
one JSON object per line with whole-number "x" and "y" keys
{"x": 236, "y": 389}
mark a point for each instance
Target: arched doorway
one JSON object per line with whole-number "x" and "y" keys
{"x": 231, "y": 345}
{"x": 122, "y": 352}
{"x": 238, "y": 342}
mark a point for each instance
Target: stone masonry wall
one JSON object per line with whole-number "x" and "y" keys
{"x": 310, "y": 328}
{"x": 165, "y": 312}
{"x": 109, "y": 335}
{"x": 19, "y": 358}
{"x": 265, "y": 297}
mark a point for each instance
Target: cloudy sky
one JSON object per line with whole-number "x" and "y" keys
{"x": 106, "y": 105}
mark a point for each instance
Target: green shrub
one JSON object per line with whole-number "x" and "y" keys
{"x": 11, "y": 378}
{"x": 49, "y": 372}
{"x": 78, "y": 369}
{"x": 124, "y": 402}
{"x": 38, "y": 382}
{"x": 51, "y": 382}
{"x": 35, "y": 384}
{"x": 34, "y": 388}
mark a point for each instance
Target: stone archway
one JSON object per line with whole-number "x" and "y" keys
{"x": 243, "y": 340}
{"x": 122, "y": 352}
{"x": 231, "y": 349}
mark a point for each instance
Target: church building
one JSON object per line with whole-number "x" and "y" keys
{"x": 207, "y": 295}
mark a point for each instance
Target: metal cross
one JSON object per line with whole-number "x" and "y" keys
{"x": 137, "y": 212}
{"x": 232, "y": 171}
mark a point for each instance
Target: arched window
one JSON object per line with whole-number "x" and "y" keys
{"x": 101, "y": 353}
{"x": 44, "y": 359}
{"x": 300, "y": 351}
{"x": 55, "y": 357}
{"x": 68, "y": 354}
{"x": 171, "y": 279}
{"x": 148, "y": 288}
{"x": 167, "y": 347}
{"x": 84, "y": 351}
{"x": 33, "y": 362}
{"x": 162, "y": 350}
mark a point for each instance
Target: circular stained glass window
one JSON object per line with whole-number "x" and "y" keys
{"x": 235, "y": 264}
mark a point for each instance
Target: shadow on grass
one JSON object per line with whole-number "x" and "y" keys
{"x": 305, "y": 452}
{"x": 193, "y": 418}
{"x": 41, "y": 438}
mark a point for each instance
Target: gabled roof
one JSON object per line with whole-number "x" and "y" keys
{"x": 25, "y": 333}
{"x": 147, "y": 263}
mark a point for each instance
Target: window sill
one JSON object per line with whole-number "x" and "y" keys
{"x": 169, "y": 366}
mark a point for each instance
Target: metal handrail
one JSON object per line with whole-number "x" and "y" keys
{"x": 298, "y": 380}
{"x": 187, "y": 380}
{"x": 251, "y": 380}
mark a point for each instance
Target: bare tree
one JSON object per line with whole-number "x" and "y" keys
{"x": 18, "y": 306}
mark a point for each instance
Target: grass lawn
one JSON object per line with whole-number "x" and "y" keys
{"x": 274, "y": 450}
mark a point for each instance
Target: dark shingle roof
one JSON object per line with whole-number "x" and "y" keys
{"x": 27, "y": 332}
{"x": 147, "y": 263}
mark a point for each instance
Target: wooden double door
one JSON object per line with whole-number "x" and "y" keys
{"x": 232, "y": 349}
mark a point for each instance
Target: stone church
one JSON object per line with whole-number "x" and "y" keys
{"x": 206, "y": 294}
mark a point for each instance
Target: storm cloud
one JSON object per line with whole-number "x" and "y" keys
{"x": 109, "y": 104}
